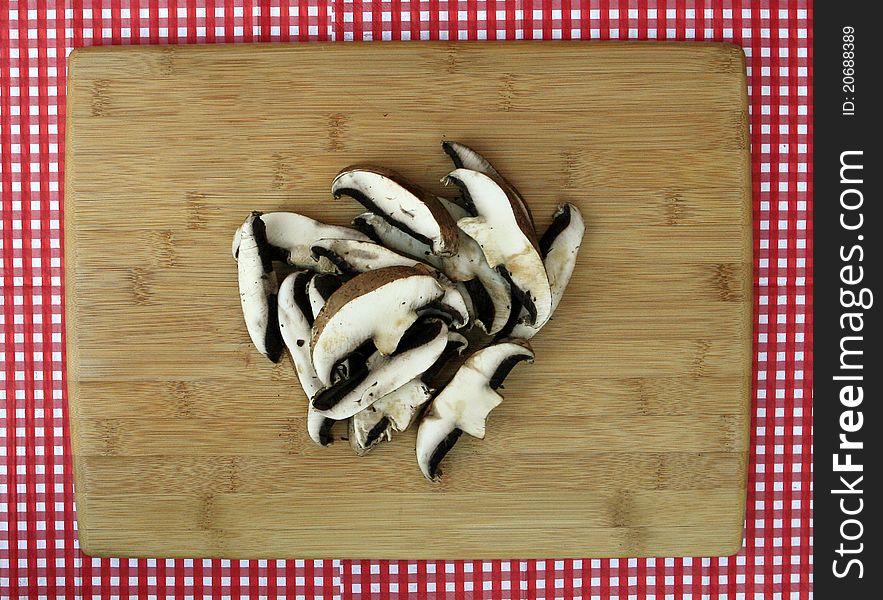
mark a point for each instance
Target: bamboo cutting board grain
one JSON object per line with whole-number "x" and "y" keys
{"x": 628, "y": 436}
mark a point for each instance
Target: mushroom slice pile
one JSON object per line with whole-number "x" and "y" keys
{"x": 291, "y": 237}
{"x": 377, "y": 306}
{"x": 464, "y": 404}
{"x": 507, "y": 239}
{"x": 258, "y": 288}
{"x": 397, "y": 410}
{"x": 402, "y": 203}
{"x": 374, "y": 317}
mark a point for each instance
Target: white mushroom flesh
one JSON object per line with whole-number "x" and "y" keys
{"x": 358, "y": 256}
{"x": 453, "y": 303}
{"x": 401, "y": 405}
{"x": 393, "y": 412}
{"x": 368, "y": 428}
{"x": 560, "y": 247}
{"x": 504, "y": 242}
{"x": 465, "y": 157}
{"x": 402, "y": 203}
{"x": 468, "y": 264}
{"x": 292, "y": 235}
{"x": 382, "y": 232}
{"x": 465, "y": 402}
{"x": 296, "y": 326}
{"x": 560, "y": 250}
{"x": 382, "y": 314}
{"x": 258, "y": 288}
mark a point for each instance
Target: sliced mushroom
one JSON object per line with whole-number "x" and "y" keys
{"x": 352, "y": 257}
{"x": 382, "y": 374}
{"x": 384, "y": 233}
{"x": 401, "y": 405}
{"x": 258, "y": 288}
{"x": 405, "y": 205}
{"x": 295, "y": 322}
{"x": 453, "y": 306}
{"x": 393, "y": 412}
{"x": 485, "y": 287}
{"x": 464, "y": 404}
{"x": 506, "y": 239}
{"x": 456, "y": 211}
{"x": 377, "y": 306}
{"x": 398, "y": 409}
{"x": 431, "y": 376}
{"x": 291, "y": 237}
{"x": 560, "y": 246}
{"x": 320, "y": 289}
{"x": 465, "y": 157}
{"x": 368, "y": 428}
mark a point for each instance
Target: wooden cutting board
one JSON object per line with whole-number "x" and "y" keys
{"x": 628, "y": 437}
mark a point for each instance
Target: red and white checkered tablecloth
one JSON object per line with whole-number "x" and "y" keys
{"x": 39, "y": 555}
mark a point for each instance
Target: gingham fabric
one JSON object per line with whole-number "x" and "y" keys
{"x": 39, "y": 555}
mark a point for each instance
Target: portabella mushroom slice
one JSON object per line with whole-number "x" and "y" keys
{"x": 506, "y": 239}
{"x": 295, "y": 323}
{"x": 382, "y": 374}
{"x": 375, "y": 424}
{"x": 368, "y": 428}
{"x": 485, "y": 287}
{"x": 352, "y": 257}
{"x": 453, "y": 307}
{"x": 559, "y": 246}
{"x": 384, "y": 233}
{"x": 465, "y": 157}
{"x": 404, "y": 204}
{"x": 320, "y": 289}
{"x": 457, "y": 343}
{"x": 377, "y": 306}
{"x": 291, "y": 236}
{"x": 258, "y": 288}
{"x": 455, "y": 210}
{"x": 398, "y": 409}
{"x": 464, "y": 404}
